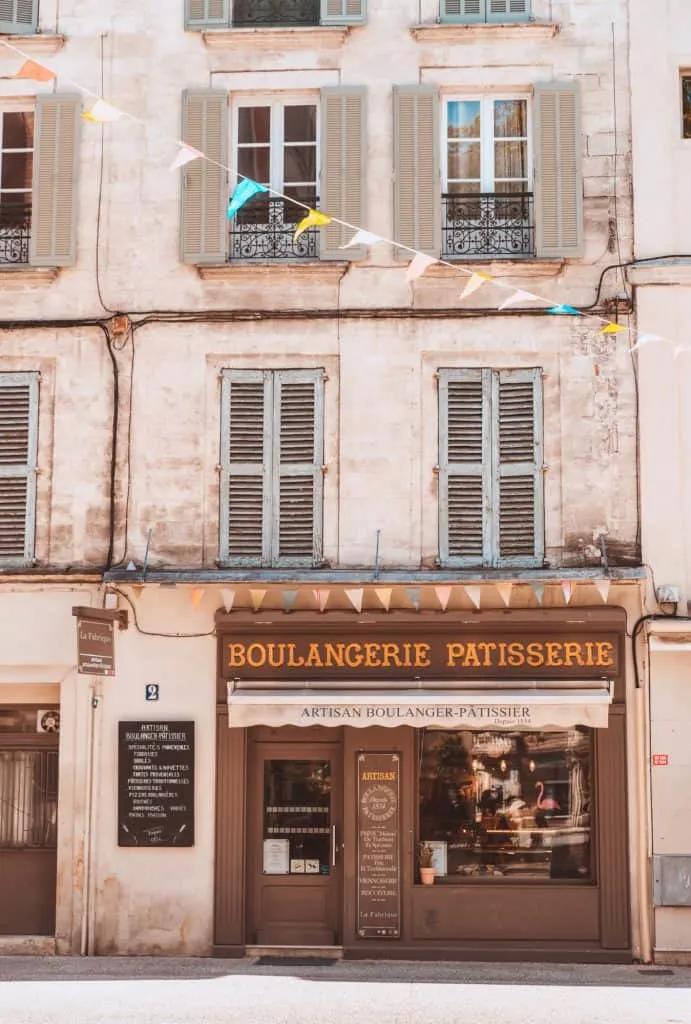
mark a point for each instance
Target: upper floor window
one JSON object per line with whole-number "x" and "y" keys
{"x": 16, "y": 174}
{"x": 490, "y": 467}
{"x": 18, "y": 17}
{"x": 485, "y": 10}
{"x": 215, "y": 14}
{"x": 18, "y": 463}
{"x": 272, "y": 445}
{"x": 686, "y": 105}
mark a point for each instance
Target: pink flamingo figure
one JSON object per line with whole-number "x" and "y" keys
{"x": 548, "y": 804}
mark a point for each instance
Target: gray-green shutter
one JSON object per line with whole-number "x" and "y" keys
{"x": 464, "y": 466}
{"x": 203, "y": 14}
{"x": 18, "y": 17}
{"x": 204, "y": 222}
{"x": 417, "y": 183}
{"x": 342, "y": 189}
{"x": 298, "y": 456}
{"x": 343, "y": 12}
{"x": 462, "y": 10}
{"x": 245, "y": 480}
{"x": 558, "y": 170}
{"x": 54, "y": 189}
{"x": 18, "y": 462}
{"x": 518, "y": 504}
{"x": 508, "y": 10}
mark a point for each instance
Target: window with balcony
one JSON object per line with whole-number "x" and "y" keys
{"x": 16, "y": 171}
{"x": 473, "y": 11}
{"x": 219, "y": 14}
{"x": 18, "y": 17}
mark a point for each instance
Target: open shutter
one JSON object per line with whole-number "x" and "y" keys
{"x": 558, "y": 170}
{"x": 343, "y": 12}
{"x": 508, "y": 10}
{"x": 463, "y": 10}
{"x": 201, "y": 14}
{"x": 342, "y": 182}
{"x": 417, "y": 185}
{"x": 245, "y": 520}
{"x": 54, "y": 190}
{"x": 518, "y": 497}
{"x": 464, "y": 466}
{"x": 298, "y": 467}
{"x": 18, "y": 17}
{"x": 204, "y": 222}
{"x": 18, "y": 456}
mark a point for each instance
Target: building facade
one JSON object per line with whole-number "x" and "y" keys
{"x": 366, "y": 545}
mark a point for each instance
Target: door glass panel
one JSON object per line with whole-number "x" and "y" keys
{"x": 297, "y": 813}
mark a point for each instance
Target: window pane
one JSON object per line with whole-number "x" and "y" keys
{"x": 300, "y": 124}
{"x": 28, "y": 798}
{"x": 510, "y": 119}
{"x": 464, "y": 119}
{"x": 507, "y": 805}
{"x": 16, "y": 170}
{"x": 686, "y": 104}
{"x": 299, "y": 164}
{"x": 306, "y": 194}
{"x": 297, "y": 815}
{"x": 254, "y": 163}
{"x": 18, "y": 130}
{"x": 463, "y": 160}
{"x": 510, "y": 159}
{"x": 463, "y": 187}
{"x": 254, "y": 124}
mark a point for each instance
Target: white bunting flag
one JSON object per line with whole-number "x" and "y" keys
{"x": 362, "y": 238}
{"x": 384, "y": 596}
{"x": 322, "y": 598}
{"x": 185, "y": 155}
{"x": 474, "y": 282}
{"x": 518, "y": 296}
{"x": 355, "y": 597}
{"x": 504, "y": 590}
{"x": 474, "y": 593}
{"x": 443, "y": 596}
{"x": 228, "y": 597}
{"x": 680, "y": 350}
{"x": 567, "y": 591}
{"x": 257, "y": 599}
{"x": 418, "y": 266}
{"x": 539, "y": 591}
{"x": 602, "y": 587}
{"x": 102, "y": 112}
{"x": 646, "y": 339}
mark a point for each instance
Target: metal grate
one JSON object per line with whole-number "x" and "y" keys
{"x": 15, "y": 232}
{"x": 28, "y": 799}
{"x": 265, "y": 229}
{"x": 275, "y": 12}
{"x": 488, "y": 224}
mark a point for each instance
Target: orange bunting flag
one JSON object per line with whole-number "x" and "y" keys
{"x": 474, "y": 282}
{"x": 102, "y": 113}
{"x": 35, "y": 72}
{"x": 418, "y": 266}
{"x": 384, "y": 596}
{"x": 314, "y": 219}
{"x": 196, "y": 596}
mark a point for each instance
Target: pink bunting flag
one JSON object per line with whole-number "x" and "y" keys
{"x": 384, "y": 596}
{"x": 355, "y": 597}
{"x": 504, "y": 590}
{"x": 322, "y": 598}
{"x": 228, "y": 598}
{"x": 567, "y": 591}
{"x": 518, "y": 296}
{"x": 474, "y": 282}
{"x": 474, "y": 593}
{"x": 185, "y": 155}
{"x": 418, "y": 266}
{"x": 443, "y": 596}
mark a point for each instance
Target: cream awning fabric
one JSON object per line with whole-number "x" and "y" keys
{"x": 449, "y": 709}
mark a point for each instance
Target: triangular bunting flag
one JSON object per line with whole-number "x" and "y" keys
{"x": 314, "y": 219}
{"x": 646, "y": 339}
{"x": 242, "y": 194}
{"x": 228, "y": 598}
{"x": 196, "y": 596}
{"x": 602, "y": 587}
{"x": 102, "y": 112}
{"x": 414, "y": 597}
{"x": 539, "y": 591}
{"x": 362, "y": 238}
{"x": 137, "y": 589}
{"x": 289, "y": 599}
{"x": 384, "y": 596}
{"x": 567, "y": 591}
{"x": 562, "y": 309}
{"x": 504, "y": 590}
{"x": 418, "y": 266}
{"x": 474, "y": 593}
{"x": 35, "y": 72}
{"x": 518, "y": 296}
{"x": 322, "y": 598}
{"x": 474, "y": 282}
{"x": 355, "y": 598}
{"x": 185, "y": 155}
{"x": 443, "y": 596}
{"x": 257, "y": 599}
{"x": 680, "y": 350}
{"x": 612, "y": 329}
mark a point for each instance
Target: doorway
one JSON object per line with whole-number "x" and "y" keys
{"x": 295, "y": 830}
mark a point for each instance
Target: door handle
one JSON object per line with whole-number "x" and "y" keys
{"x": 333, "y": 846}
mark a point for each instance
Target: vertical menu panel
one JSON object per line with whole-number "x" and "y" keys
{"x": 379, "y": 846}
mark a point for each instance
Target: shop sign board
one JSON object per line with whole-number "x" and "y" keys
{"x": 379, "y": 846}
{"x": 95, "y": 647}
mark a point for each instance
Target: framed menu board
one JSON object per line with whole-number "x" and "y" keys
{"x": 156, "y": 784}
{"x": 379, "y": 846}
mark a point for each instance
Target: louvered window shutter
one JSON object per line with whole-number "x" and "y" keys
{"x": 54, "y": 190}
{"x": 464, "y": 466}
{"x": 298, "y": 473}
{"x": 204, "y": 222}
{"x": 558, "y": 170}
{"x": 343, "y": 12}
{"x": 463, "y": 10}
{"x": 18, "y": 17}
{"x": 518, "y": 471}
{"x": 201, "y": 14}
{"x": 417, "y": 184}
{"x": 246, "y": 415}
{"x": 508, "y": 10}
{"x": 18, "y": 457}
{"x": 343, "y": 179}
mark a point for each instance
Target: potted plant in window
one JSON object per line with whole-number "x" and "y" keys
{"x": 425, "y": 855}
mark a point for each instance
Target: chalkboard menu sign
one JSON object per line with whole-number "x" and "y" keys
{"x": 156, "y": 784}
{"x": 379, "y": 842}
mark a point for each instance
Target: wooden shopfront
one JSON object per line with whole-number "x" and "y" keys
{"x": 351, "y": 749}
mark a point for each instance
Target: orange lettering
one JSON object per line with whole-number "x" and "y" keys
{"x": 372, "y": 659}
{"x": 471, "y": 658}
{"x": 422, "y": 655}
{"x": 353, "y": 656}
{"x": 572, "y": 654}
{"x": 605, "y": 654}
{"x": 516, "y": 655}
{"x": 535, "y": 655}
{"x": 553, "y": 654}
{"x": 256, "y": 655}
{"x": 486, "y": 649}
{"x": 390, "y": 654}
{"x": 236, "y": 655}
{"x": 453, "y": 653}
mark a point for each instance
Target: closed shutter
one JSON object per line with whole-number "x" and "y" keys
{"x": 518, "y": 472}
{"x": 246, "y": 415}
{"x": 558, "y": 170}
{"x": 464, "y": 466}
{"x": 343, "y": 181}
{"x": 462, "y": 10}
{"x": 54, "y": 196}
{"x": 204, "y": 223}
{"x": 417, "y": 185}
{"x": 18, "y": 459}
{"x": 343, "y": 12}
{"x": 298, "y": 473}
{"x": 201, "y": 14}
{"x": 508, "y": 10}
{"x": 18, "y": 17}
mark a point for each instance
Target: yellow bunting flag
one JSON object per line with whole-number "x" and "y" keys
{"x": 613, "y": 329}
{"x": 314, "y": 219}
{"x": 35, "y": 72}
{"x": 102, "y": 112}
{"x": 474, "y": 282}
{"x": 384, "y": 596}
{"x": 196, "y": 596}
{"x": 257, "y": 599}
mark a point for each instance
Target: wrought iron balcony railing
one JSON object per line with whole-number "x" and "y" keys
{"x": 279, "y": 13}
{"x": 488, "y": 225}
{"x": 15, "y": 232}
{"x": 264, "y": 230}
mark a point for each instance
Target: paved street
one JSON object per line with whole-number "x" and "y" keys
{"x": 173, "y": 991}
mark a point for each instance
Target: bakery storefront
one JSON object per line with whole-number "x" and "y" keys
{"x": 432, "y": 786}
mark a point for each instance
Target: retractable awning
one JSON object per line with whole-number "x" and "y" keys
{"x": 542, "y": 708}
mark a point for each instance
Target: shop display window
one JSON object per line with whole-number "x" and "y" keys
{"x": 297, "y": 817}
{"x": 507, "y": 806}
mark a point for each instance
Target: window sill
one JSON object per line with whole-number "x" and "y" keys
{"x": 284, "y": 271}
{"x": 37, "y": 43}
{"x": 521, "y": 31}
{"x": 528, "y": 268}
{"x": 269, "y": 39}
{"x": 21, "y": 273}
